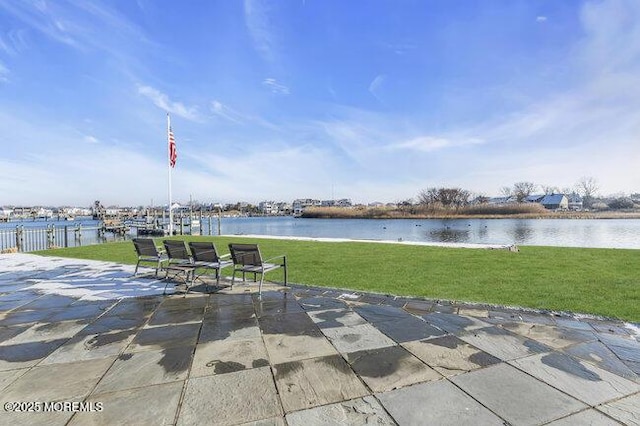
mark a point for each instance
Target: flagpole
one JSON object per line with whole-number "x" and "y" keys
{"x": 169, "y": 167}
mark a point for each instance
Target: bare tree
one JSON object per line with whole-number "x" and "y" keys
{"x": 587, "y": 186}
{"x": 522, "y": 190}
{"x": 427, "y": 196}
{"x": 447, "y": 197}
{"x": 550, "y": 189}
{"x": 480, "y": 199}
{"x": 506, "y": 191}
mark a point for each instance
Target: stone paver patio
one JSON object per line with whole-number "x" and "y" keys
{"x": 86, "y": 331}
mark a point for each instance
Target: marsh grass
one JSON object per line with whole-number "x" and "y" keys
{"x": 593, "y": 281}
{"x": 477, "y": 211}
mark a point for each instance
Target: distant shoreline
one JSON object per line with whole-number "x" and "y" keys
{"x": 453, "y": 215}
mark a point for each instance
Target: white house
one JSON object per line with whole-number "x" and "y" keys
{"x": 300, "y": 204}
{"x": 555, "y": 202}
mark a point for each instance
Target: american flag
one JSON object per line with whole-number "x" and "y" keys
{"x": 173, "y": 152}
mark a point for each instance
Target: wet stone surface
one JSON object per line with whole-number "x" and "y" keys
{"x": 503, "y": 344}
{"x": 503, "y": 388}
{"x": 336, "y": 318}
{"x": 454, "y": 324}
{"x": 407, "y": 329}
{"x": 294, "y": 324}
{"x": 245, "y": 328}
{"x": 321, "y": 303}
{"x": 298, "y": 355}
{"x": 356, "y": 338}
{"x": 317, "y": 381}
{"x": 598, "y": 354}
{"x": 390, "y": 368}
{"x": 577, "y": 378}
{"x": 164, "y": 316}
{"x": 165, "y": 337}
{"x": 358, "y": 411}
{"x": 551, "y": 336}
{"x": 375, "y": 314}
{"x": 450, "y": 356}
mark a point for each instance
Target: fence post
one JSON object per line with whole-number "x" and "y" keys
{"x": 181, "y": 223}
{"x": 18, "y": 238}
{"x": 50, "y": 236}
{"x": 79, "y": 234}
{"x": 210, "y": 230}
{"x": 66, "y": 236}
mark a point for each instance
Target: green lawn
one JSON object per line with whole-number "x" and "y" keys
{"x": 596, "y": 281}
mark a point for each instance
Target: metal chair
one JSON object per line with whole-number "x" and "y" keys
{"x": 205, "y": 256}
{"x": 247, "y": 258}
{"x": 148, "y": 252}
{"x": 179, "y": 262}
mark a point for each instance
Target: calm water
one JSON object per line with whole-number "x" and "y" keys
{"x": 608, "y": 233}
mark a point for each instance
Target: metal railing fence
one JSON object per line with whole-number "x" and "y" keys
{"x": 26, "y": 239}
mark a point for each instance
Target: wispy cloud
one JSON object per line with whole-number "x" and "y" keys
{"x": 14, "y": 41}
{"x": 431, "y": 143}
{"x": 258, "y": 22}
{"x": 91, "y": 139}
{"x": 375, "y": 85}
{"x": 4, "y": 73}
{"x": 401, "y": 48}
{"x": 84, "y": 26}
{"x": 225, "y": 112}
{"x": 162, "y": 101}
{"x": 306, "y": 166}
{"x": 541, "y": 19}
{"x": 275, "y": 87}
{"x": 46, "y": 18}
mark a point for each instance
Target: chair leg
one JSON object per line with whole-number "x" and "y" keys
{"x": 233, "y": 278}
{"x": 260, "y": 286}
{"x": 136, "y": 271}
{"x": 188, "y": 283}
{"x": 284, "y": 264}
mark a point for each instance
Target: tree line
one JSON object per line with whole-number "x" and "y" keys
{"x": 456, "y": 198}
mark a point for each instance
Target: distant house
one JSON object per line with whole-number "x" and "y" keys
{"x": 575, "y": 202}
{"x": 555, "y": 202}
{"x": 501, "y": 200}
{"x": 534, "y": 198}
{"x": 300, "y": 205}
{"x": 268, "y": 207}
{"x": 345, "y": 202}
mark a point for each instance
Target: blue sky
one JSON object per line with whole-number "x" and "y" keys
{"x": 369, "y": 100}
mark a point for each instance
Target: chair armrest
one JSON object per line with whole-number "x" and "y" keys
{"x": 224, "y": 256}
{"x": 284, "y": 257}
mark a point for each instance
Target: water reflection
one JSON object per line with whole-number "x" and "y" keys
{"x": 614, "y": 233}
{"x": 521, "y": 231}
{"x": 449, "y": 235}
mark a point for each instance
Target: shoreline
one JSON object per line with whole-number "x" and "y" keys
{"x": 550, "y": 215}
{"x": 401, "y": 242}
